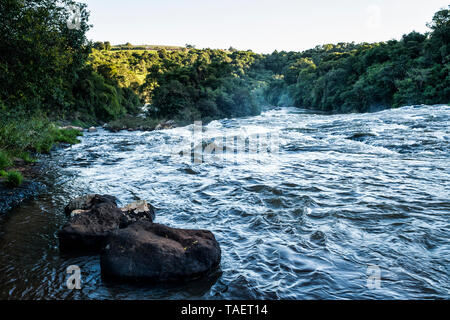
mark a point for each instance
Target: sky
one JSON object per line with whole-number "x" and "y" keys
{"x": 260, "y": 25}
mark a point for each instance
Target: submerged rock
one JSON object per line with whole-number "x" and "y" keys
{"x": 169, "y": 124}
{"x": 72, "y": 127}
{"x": 157, "y": 253}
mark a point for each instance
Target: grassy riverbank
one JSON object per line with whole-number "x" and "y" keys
{"x": 21, "y": 139}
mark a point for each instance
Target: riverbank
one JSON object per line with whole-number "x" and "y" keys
{"x": 11, "y": 197}
{"x": 139, "y": 123}
{"x": 22, "y": 140}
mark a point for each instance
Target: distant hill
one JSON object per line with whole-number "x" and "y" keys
{"x": 145, "y": 47}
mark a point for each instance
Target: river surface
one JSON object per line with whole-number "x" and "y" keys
{"x": 309, "y": 206}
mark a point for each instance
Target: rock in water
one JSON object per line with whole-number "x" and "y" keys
{"x": 87, "y": 231}
{"x": 72, "y": 127}
{"x": 93, "y": 217}
{"x": 157, "y": 253}
{"x": 92, "y": 129}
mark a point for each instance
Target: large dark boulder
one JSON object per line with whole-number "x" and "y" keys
{"x": 157, "y": 253}
{"x": 89, "y": 230}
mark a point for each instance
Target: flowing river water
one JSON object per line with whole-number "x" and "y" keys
{"x": 321, "y": 207}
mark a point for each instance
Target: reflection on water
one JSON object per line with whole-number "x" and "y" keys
{"x": 342, "y": 193}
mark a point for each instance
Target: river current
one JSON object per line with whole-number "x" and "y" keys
{"x": 307, "y": 206}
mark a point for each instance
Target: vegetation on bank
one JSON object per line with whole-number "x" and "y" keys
{"x": 349, "y": 77}
{"x": 185, "y": 85}
{"x": 51, "y": 73}
{"x": 345, "y": 77}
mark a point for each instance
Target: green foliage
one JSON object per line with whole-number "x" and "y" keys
{"x": 24, "y": 155}
{"x": 37, "y": 134}
{"x": 13, "y": 179}
{"x": 186, "y": 84}
{"x": 44, "y": 68}
{"x": 40, "y": 55}
{"x": 200, "y": 84}
{"x": 349, "y": 77}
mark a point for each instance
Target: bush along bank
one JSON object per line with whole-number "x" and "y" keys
{"x": 21, "y": 141}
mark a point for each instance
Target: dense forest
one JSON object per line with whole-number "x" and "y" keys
{"x": 51, "y": 73}
{"x": 343, "y": 77}
{"x": 349, "y": 77}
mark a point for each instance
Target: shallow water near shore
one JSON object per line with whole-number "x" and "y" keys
{"x": 339, "y": 197}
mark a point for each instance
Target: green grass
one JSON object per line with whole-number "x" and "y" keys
{"x": 5, "y": 160}
{"x": 13, "y": 179}
{"x": 26, "y": 157}
{"x": 20, "y": 137}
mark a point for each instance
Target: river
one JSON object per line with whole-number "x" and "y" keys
{"x": 352, "y": 206}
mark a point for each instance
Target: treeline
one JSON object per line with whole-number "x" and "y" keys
{"x": 45, "y": 80}
{"x": 349, "y": 77}
{"x": 49, "y": 69}
{"x": 186, "y": 85}
{"x": 106, "y": 45}
{"x": 343, "y": 77}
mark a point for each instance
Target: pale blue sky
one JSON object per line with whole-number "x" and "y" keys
{"x": 259, "y": 25}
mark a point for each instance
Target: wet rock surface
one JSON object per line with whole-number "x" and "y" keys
{"x": 92, "y": 217}
{"x": 87, "y": 231}
{"x": 86, "y": 202}
{"x": 158, "y": 253}
{"x": 132, "y": 246}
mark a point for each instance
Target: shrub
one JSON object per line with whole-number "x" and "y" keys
{"x": 26, "y": 157}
